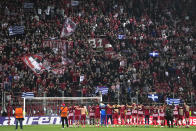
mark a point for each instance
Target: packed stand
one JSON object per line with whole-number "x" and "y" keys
{"x": 164, "y": 26}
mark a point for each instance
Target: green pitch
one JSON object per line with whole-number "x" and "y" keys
{"x": 58, "y": 128}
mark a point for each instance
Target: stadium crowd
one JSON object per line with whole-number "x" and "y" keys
{"x": 165, "y": 26}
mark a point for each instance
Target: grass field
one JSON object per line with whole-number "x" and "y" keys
{"x": 58, "y": 128}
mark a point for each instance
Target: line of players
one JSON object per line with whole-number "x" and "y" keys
{"x": 130, "y": 115}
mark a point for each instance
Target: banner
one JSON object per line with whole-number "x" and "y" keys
{"x": 102, "y": 89}
{"x": 27, "y": 95}
{"x": 154, "y": 97}
{"x": 154, "y": 54}
{"x": 56, "y": 120}
{"x": 68, "y": 28}
{"x": 28, "y": 5}
{"x": 171, "y": 101}
{"x": 34, "y": 62}
{"x": 16, "y": 30}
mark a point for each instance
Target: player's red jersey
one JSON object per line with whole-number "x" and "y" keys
{"x": 91, "y": 111}
{"x": 77, "y": 114}
{"x": 140, "y": 112}
{"x": 175, "y": 112}
{"x": 109, "y": 110}
{"x": 71, "y": 111}
{"x": 97, "y": 111}
{"x": 134, "y": 112}
{"x": 122, "y": 112}
{"x": 128, "y": 113}
{"x": 155, "y": 114}
{"x": 162, "y": 115}
{"x": 181, "y": 112}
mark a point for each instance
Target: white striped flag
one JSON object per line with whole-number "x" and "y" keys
{"x": 15, "y": 30}
{"x": 171, "y": 101}
{"x": 102, "y": 89}
{"x": 27, "y": 95}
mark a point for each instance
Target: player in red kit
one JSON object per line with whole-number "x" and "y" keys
{"x": 187, "y": 109}
{"x": 122, "y": 114}
{"x": 176, "y": 115}
{"x": 140, "y": 115}
{"x": 109, "y": 109}
{"x": 77, "y": 115}
{"x": 134, "y": 114}
{"x": 147, "y": 115}
{"x": 115, "y": 114}
{"x": 92, "y": 115}
{"x": 97, "y": 115}
{"x": 162, "y": 115}
{"x": 155, "y": 116}
{"x": 128, "y": 115}
{"x": 71, "y": 115}
{"x": 181, "y": 114}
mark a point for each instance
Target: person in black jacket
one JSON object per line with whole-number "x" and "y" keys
{"x": 169, "y": 116}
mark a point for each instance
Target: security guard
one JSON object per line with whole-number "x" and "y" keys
{"x": 19, "y": 116}
{"x": 64, "y": 112}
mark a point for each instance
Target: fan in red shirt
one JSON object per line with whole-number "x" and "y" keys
{"x": 134, "y": 114}
{"x": 140, "y": 115}
{"x": 92, "y": 115}
{"x": 162, "y": 115}
{"x": 122, "y": 113}
{"x": 77, "y": 115}
{"x": 155, "y": 116}
{"x": 71, "y": 115}
{"x": 128, "y": 115}
{"x": 97, "y": 115}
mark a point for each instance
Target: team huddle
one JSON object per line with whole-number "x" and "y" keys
{"x": 127, "y": 115}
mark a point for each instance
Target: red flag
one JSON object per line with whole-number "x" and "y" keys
{"x": 68, "y": 28}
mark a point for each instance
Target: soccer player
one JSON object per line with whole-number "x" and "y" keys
{"x": 71, "y": 115}
{"x": 147, "y": 115}
{"x": 176, "y": 115}
{"x": 155, "y": 116}
{"x": 103, "y": 114}
{"x": 64, "y": 112}
{"x": 83, "y": 115}
{"x": 77, "y": 115}
{"x": 187, "y": 109}
{"x": 122, "y": 114}
{"x": 19, "y": 116}
{"x": 115, "y": 115}
{"x": 128, "y": 115}
{"x": 97, "y": 115}
{"x": 109, "y": 109}
{"x": 134, "y": 114}
{"x": 162, "y": 116}
{"x": 181, "y": 114}
{"x": 140, "y": 115}
{"x": 92, "y": 115}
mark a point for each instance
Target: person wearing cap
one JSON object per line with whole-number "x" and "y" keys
{"x": 19, "y": 116}
{"x": 64, "y": 112}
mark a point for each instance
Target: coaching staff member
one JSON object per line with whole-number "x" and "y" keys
{"x": 169, "y": 116}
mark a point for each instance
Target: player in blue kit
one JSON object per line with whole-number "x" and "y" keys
{"x": 103, "y": 114}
